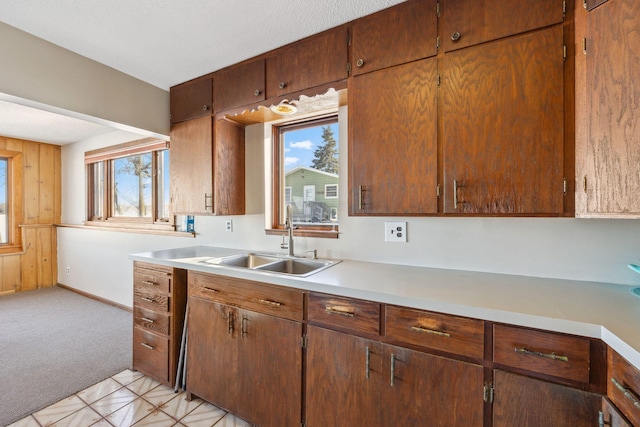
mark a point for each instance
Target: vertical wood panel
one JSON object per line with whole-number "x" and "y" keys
{"x": 46, "y": 184}
{"x": 10, "y": 274}
{"x": 30, "y": 260}
{"x": 44, "y": 256}
{"x": 31, "y": 183}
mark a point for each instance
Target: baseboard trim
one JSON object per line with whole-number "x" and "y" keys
{"x": 95, "y": 297}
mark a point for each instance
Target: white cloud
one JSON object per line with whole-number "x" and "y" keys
{"x": 291, "y": 161}
{"x": 307, "y": 145}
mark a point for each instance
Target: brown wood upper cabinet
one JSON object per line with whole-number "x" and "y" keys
{"x": 607, "y": 160}
{"x": 394, "y": 36}
{"x": 503, "y": 126}
{"x": 308, "y": 63}
{"x": 239, "y": 85}
{"x": 471, "y": 22}
{"x": 207, "y": 172}
{"x": 191, "y": 100}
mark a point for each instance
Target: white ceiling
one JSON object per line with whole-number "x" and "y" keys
{"x": 165, "y": 42}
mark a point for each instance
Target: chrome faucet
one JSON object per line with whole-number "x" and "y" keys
{"x": 288, "y": 225}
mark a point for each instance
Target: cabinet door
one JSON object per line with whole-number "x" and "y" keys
{"x": 270, "y": 359}
{"x": 240, "y": 85}
{"x": 609, "y": 416}
{"x": 403, "y": 33}
{"x": 228, "y": 169}
{"x": 191, "y": 100}
{"x": 191, "y": 166}
{"x": 527, "y": 402}
{"x": 470, "y": 22}
{"x": 312, "y": 62}
{"x": 610, "y": 176}
{"x": 503, "y": 126}
{"x": 343, "y": 380}
{"x": 420, "y": 389}
{"x": 212, "y": 353}
{"x": 393, "y": 140}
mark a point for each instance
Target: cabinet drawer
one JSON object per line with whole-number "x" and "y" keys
{"x": 345, "y": 313}
{"x": 151, "y": 320}
{"x": 259, "y": 297}
{"x": 152, "y": 280}
{"x": 548, "y": 353}
{"x": 150, "y": 301}
{"x": 452, "y": 334}
{"x": 151, "y": 354}
{"x": 623, "y": 387}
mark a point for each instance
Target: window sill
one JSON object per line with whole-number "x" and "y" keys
{"x": 326, "y": 234}
{"x": 126, "y": 229}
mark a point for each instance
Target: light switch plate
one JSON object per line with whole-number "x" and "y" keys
{"x": 395, "y": 231}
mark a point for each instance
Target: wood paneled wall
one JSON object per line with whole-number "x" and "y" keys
{"x": 35, "y": 265}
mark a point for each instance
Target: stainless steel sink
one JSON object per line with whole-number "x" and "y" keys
{"x": 272, "y": 263}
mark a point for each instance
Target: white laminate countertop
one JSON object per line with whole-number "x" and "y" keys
{"x": 598, "y": 310}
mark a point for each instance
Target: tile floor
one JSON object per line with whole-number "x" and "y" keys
{"x": 130, "y": 399}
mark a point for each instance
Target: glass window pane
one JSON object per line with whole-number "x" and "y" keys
{"x": 309, "y": 157}
{"x": 4, "y": 201}
{"x": 163, "y": 185}
{"x": 132, "y": 186}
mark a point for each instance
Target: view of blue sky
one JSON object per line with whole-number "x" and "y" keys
{"x": 3, "y": 181}
{"x": 301, "y": 144}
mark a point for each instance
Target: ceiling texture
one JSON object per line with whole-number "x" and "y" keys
{"x": 164, "y": 42}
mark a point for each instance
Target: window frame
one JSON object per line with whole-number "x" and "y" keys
{"x": 14, "y": 201}
{"x": 107, "y": 157}
{"x": 325, "y": 191}
{"x": 278, "y": 173}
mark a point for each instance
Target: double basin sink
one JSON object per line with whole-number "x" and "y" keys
{"x": 272, "y": 263}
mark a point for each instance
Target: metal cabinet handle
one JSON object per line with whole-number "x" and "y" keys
{"x": 282, "y": 85}
{"x": 393, "y": 367}
{"x": 360, "y": 62}
{"x": 151, "y": 300}
{"x": 430, "y": 331}
{"x": 367, "y": 363}
{"x": 455, "y": 194}
{"x": 205, "y": 107}
{"x": 456, "y": 36}
{"x": 360, "y": 198}
{"x": 206, "y": 288}
{"x": 551, "y": 356}
{"x": 339, "y": 310}
{"x": 257, "y": 92}
{"x": 208, "y": 201}
{"x": 628, "y": 393}
{"x": 146, "y": 319}
{"x": 149, "y": 282}
{"x": 230, "y": 323}
{"x": 145, "y": 345}
{"x": 601, "y": 420}
{"x": 243, "y": 327}
{"x": 270, "y": 302}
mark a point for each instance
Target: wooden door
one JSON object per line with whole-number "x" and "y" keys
{"x": 191, "y": 100}
{"x": 240, "y": 85}
{"x": 343, "y": 380}
{"x": 471, "y": 22}
{"x": 308, "y": 63}
{"x": 527, "y": 402}
{"x": 610, "y": 177}
{"x": 212, "y": 353}
{"x": 503, "y": 126}
{"x": 421, "y": 389}
{"x": 270, "y": 360}
{"x": 393, "y": 140}
{"x": 397, "y": 35}
{"x": 191, "y": 151}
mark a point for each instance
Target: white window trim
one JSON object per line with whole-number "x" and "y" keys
{"x": 325, "y": 191}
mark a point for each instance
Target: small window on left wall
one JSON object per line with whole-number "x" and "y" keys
{"x": 128, "y": 186}
{"x": 4, "y": 200}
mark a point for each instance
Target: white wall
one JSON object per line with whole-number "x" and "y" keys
{"x": 565, "y": 248}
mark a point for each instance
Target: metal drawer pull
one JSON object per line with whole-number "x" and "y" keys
{"x": 360, "y": 198}
{"x": 145, "y": 345}
{"x": 243, "y": 327}
{"x": 149, "y": 282}
{"x": 145, "y": 319}
{"x": 601, "y": 420}
{"x": 269, "y": 302}
{"x": 627, "y": 393}
{"x": 339, "y": 310}
{"x": 151, "y": 300}
{"x": 430, "y": 331}
{"x": 552, "y": 356}
{"x": 230, "y": 323}
{"x": 367, "y": 363}
{"x": 206, "y": 288}
{"x": 393, "y": 367}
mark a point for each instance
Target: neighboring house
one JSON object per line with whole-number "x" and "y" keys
{"x": 313, "y": 194}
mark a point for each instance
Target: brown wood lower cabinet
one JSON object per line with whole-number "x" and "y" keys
{"x": 527, "y": 402}
{"x": 246, "y": 362}
{"x": 610, "y": 416}
{"x": 354, "y": 381}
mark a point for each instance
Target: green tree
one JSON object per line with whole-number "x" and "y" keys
{"x": 326, "y": 155}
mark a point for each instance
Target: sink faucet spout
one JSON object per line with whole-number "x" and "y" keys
{"x": 288, "y": 225}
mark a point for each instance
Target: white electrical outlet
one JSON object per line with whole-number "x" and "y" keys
{"x": 395, "y": 231}
{"x": 68, "y": 271}
{"x": 228, "y": 225}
